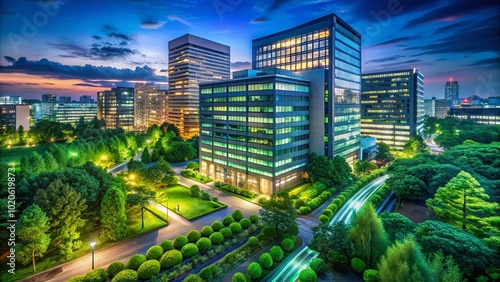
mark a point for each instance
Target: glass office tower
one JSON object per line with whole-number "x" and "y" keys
{"x": 329, "y": 43}
{"x": 149, "y": 106}
{"x": 116, "y": 107}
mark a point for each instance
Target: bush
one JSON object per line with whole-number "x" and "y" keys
{"x": 167, "y": 245}
{"x": 299, "y": 203}
{"x": 204, "y": 196}
{"x": 148, "y": 269}
{"x": 328, "y": 213}
{"x": 323, "y": 218}
{"x": 235, "y": 227}
{"x": 135, "y": 261}
{"x": 78, "y": 278}
{"x": 253, "y": 241}
{"x": 239, "y": 277}
{"x": 226, "y": 232}
{"x": 193, "y": 236}
{"x": 276, "y": 253}
{"x": 96, "y": 275}
{"x": 265, "y": 260}
{"x": 203, "y": 244}
{"x": 245, "y": 223}
{"x": 115, "y": 267}
{"x": 229, "y": 258}
{"x": 318, "y": 265}
{"x": 192, "y": 278}
{"x": 254, "y": 270}
{"x": 237, "y": 215}
{"x": 338, "y": 202}
{"x": 180, "y": 241}
{"x": 217, "y": 225}
{"x": 194, "y": 191}
{"x": 216, "y": 238}
{"x": 170, "y": 259}
{"x": 304, "y": 210}
{"x": 287, "y": 244}
{"x": 206, "y": 231}
{"x": 338, "y": 260}
{"x": 190, "y": 250}
{"x": 308, "y": 275}
{"x": 358, "y": 265}
{"x": 253, "y": 218}
{"x": 206, "y": 273}
{"x": 332, "y": 207}
{"x": 252, "y": 229}
{"x": 127, "y": 275}
{"x": 193, "y": 166}
{"x": 155, "y": 252}
{"x": 227, "y": 220}
{"x": 371, "y": 275}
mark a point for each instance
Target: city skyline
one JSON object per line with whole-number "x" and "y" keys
{"x": 72, "y": 48}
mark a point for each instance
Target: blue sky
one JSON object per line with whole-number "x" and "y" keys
{"x": 76, "y": 47}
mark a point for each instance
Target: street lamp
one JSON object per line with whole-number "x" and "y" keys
{"x": 167, "y": 209}
{"x": 92, "y": 244}
{"x": 73, "y": 155}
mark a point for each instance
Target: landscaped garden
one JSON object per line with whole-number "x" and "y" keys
{"x": 14, "y": 154}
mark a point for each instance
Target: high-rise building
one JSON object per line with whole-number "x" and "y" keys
{"x": 392, "y": 106}
{"x": 13, "y": 115}
{"x": 149, "y": 106}
{"x": 451, "y": 91}
{"x": 64, "y": 99}
{"x": 49, "y": 98}
{"x": 64, "y": 112}
{"x": 430, "y": 107}
{"x": 192, "y": 60}
{"x": 116, "y": 107}
{"x": 436, "y": 107}
{"x": 10, "y": 100}
{"x": 86, "y": 99}
{"x": 329, "y": 43}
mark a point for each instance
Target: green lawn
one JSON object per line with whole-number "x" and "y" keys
{"x": 189, "y": 207}
{"x": 15, "y": 154}
{"x": 295, "y": 190}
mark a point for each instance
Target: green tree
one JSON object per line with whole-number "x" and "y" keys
{"x": 146, "y": 157}
{"x": 414, "y": 146}
{"x": 32, "y": 228}
{"x": 462, "y": 203}
{"x": 320, "y": 169}
{"x": 330, "y": 237}
{"x": 113, "y": 217}
{"x": 396, "y": 225}
{"x": 180, "y": 151}
{"x": 160, "y": 174}
{"x": 279, "y": 214}
{"x": 49, "y": 161}
{"x": 363, "y": 168}
{"x": 367, "y": 235}
{"x": 342, "y": 170}
{"x": 444, "y": 269}
{"x": 140, "y": 196}
{"x": 384, "y": 153}
{"x": 405, "y": 186}
{"x": 36, "y": 163}
{"x": 134, "y": 166}
{"x": 64, "y": 208}
{"x": 404, "y": 262}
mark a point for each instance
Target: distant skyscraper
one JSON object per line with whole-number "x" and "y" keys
{"x": 49, "y": 98}
{"x": 10, "y": 100}
{"x": 116, "y": 107}
{"x": 86, "y": 99}
{"x": 64, "y": 99}
{"x": 192, "y": 60}
{"x": 64, "y": 112}
{"x": 149, "y": 106}
{"x": 451, "y": 91}
{"x": 430, "y": 107}
{"x": 14, "y": 116}
{"x": 436, "y": 107}
{"x": 392, "y": 106}
{"x": 329, "y": 43}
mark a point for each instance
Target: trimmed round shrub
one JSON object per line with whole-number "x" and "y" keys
{"x": 338, "y": 260}
{"x": 265, "y": 260}
{"x": 252, "y": 229}
{"x": 190, "y": 250}
{"x": 237, "y": 215}
{"x": 148, "y": 269}
{"x": 167, "y": 245}
{"x": 276, "y": 253}
{"x": 245, "y": 223}
{"x": 115, "y": 267}
{"x": 192, "y": 278}
{"x": 226, "y": 232}
{"x": 338, "y": 202}
{"x": 287, "y": 244}
{"x": 323, "y": 218}
{"x": 127, "y": 275}
{"x": 358, "y": 265}
{"x": 328, "y": 213}
{"x": 96, "y": 275}
{"x": 253, "y": 218}
{"x": 170, "y": 259}
{"x": 332, "y": 207}
{"x": 239, "y": 277}
{"x": 206, "y": 273}
{"x": 229, "y": 258}
{"x": 78, "y": 278}
{"x": 135, "y": 261}
{"x": 371, "y": 275}
{"x": 203, "y": 244}
{"x": 304, "y": 210}
{"x": 155, "y": 252}
{"x": 318, "y": 265}
{"x": 193, "y": 236}
{"x": 253, "y": 241}
{"x": 180, "y": 241}
{"x": 216, "y": 238}
{"x": 206, "y": 231}
{"x": 299, "y": 203}
{"x": 235, "y": 227}
{"x": 217, "y": 225}
{"x": 194, "y": 191}
{"x": 308, "y": 275}
{"x": 254, "y": 270}
{"x": 227, "y": 220}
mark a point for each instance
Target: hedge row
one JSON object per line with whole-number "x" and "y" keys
{"x": 233, "y": 189}
{"x": 313, "y": 197}
{"x": 377, "y": 198}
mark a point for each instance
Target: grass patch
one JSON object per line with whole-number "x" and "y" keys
{"x": 161, "y": 215}
{"x": 196, "y": 176}
{"x": 295, "y": 190}
{"x": 189, "y": 207}
{"x": 15, "y": 154}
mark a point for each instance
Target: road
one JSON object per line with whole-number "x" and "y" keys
{"x": 291, "y": 270}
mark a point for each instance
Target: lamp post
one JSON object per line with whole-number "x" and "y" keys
{"x": 92, "y": 244}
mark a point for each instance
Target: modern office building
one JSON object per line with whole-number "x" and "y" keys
{"x": 116, "y": 107}
{"x": 192, "y": 60}
{"x": 86, "y": 99}
{"x": 451, "y": 91}
{"x": 149, "y": 106}
{"x": 49, "y": 98}
{"x": 430, "y": 107}
{"x": 489, "y": 114}
{"x": 12, "y": 115}
{"x": 436, "y": 107}
{"x": 328, "y": 43}
{"x": 64, "y": 99}
{"x": 64, "y": 112}
{"x": 256, "y": 129}
{"x": 11, "y": 100}
{"x": 392, "y": 106}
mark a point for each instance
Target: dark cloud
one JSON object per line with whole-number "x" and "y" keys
{"x": 391, "y": 58}
{"x": 88, "y": 85}
{"x": 486, "y": 62}
{"x": 96, "y": 37}
{"x": 400, "y": 65}
{"x": 150, "y": 24}
{"x": 9, "y": 59}
{"x": 108, "y": 28}
{"x": 97, "y": 51}
{"x": 395, "y": 40}
{"x": 241, "y": 65}
{"x": 119, "y": 36}
{"x": 163, "y": 70}
{"x": 453, "y": 27}
{"x": 57, "y": 70}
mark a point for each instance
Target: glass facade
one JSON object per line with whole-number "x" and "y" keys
{"x": 116, "y": 107}
{"x": 65, "y": 112}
